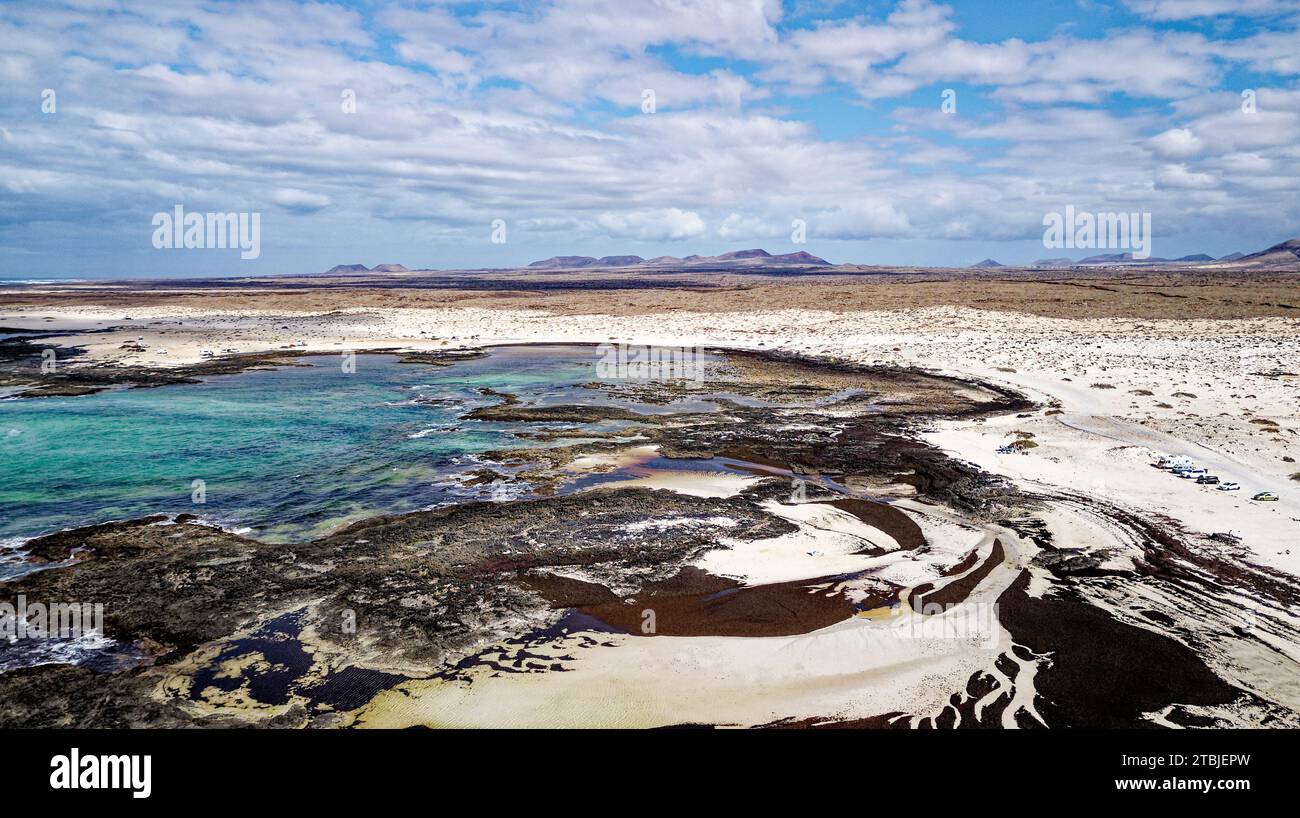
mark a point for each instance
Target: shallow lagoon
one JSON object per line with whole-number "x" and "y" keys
{"x": 285, "y": 454}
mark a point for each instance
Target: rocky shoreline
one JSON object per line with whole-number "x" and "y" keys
{"x": 25, "y": 373}
{"x": 199, "y": 615}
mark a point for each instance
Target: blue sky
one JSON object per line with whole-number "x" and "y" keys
{"x": 531, "y": 115}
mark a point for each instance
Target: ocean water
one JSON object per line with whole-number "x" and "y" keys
{"x": 285, "y": 454}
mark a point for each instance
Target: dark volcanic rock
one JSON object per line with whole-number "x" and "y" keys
{"x": 1066, "y": 561}
{"x": 20, "y": 367}
{"x": 560, "y": 414}
{"x": 1104, "y": 673}
{"x": 425, "y": 588}
{"x": 441, "y": 357}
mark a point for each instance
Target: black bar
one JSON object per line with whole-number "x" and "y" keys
{"x": 981, "y": 769}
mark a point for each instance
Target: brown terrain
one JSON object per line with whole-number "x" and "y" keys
{"x": 1108, "y": 293}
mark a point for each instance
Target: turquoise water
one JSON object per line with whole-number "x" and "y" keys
{"x": 285, "y": 454}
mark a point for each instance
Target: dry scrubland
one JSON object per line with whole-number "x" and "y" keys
{"x": 1147, "y": 295}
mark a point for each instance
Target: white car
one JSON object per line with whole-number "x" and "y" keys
{"x": 1229, "y": 486}
{"x": 1189, "y": 474}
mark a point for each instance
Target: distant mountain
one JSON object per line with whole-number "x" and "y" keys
{"x": 1286, "y": 248}
{"x": 617, "y": 261}
{"x": 564, "y": 262}
{"x": 1284, "y": 255}
{"x": 1129, "y": 258}
{"x": 1119, "y": 258}
{"x": 800, "y": 257}
{"x": 736, "y": 258}
{"x": 739, "y": 254}
{"x": 1113, "y": 258}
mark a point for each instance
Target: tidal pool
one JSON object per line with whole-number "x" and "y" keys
{"x": 282, "y": 454}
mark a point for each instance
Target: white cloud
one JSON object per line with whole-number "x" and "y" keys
{"x": 863, "y": 219}
{"x": 300, "y": 201}
{"x": 1191, "y": 9}
{"x": 736, "y": 227}
{"x": 1247, "y": 164}
{"x": 667, "y": 224}
{"x": 1177, "y": 143}
{"x": 533, "y": 116}
{"x": 1179, "y": 176}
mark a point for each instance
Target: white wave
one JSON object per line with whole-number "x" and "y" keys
{"x": 33, "y": 652}
{"x": 437, "y": 430}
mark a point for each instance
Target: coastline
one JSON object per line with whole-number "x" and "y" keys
{"x": 1093, "y": 447}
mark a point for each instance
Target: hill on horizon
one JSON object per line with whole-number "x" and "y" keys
{"x": 739, "y": 258}
{"x": 1284, "y": 255}
{"x": 353, "y": 269}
